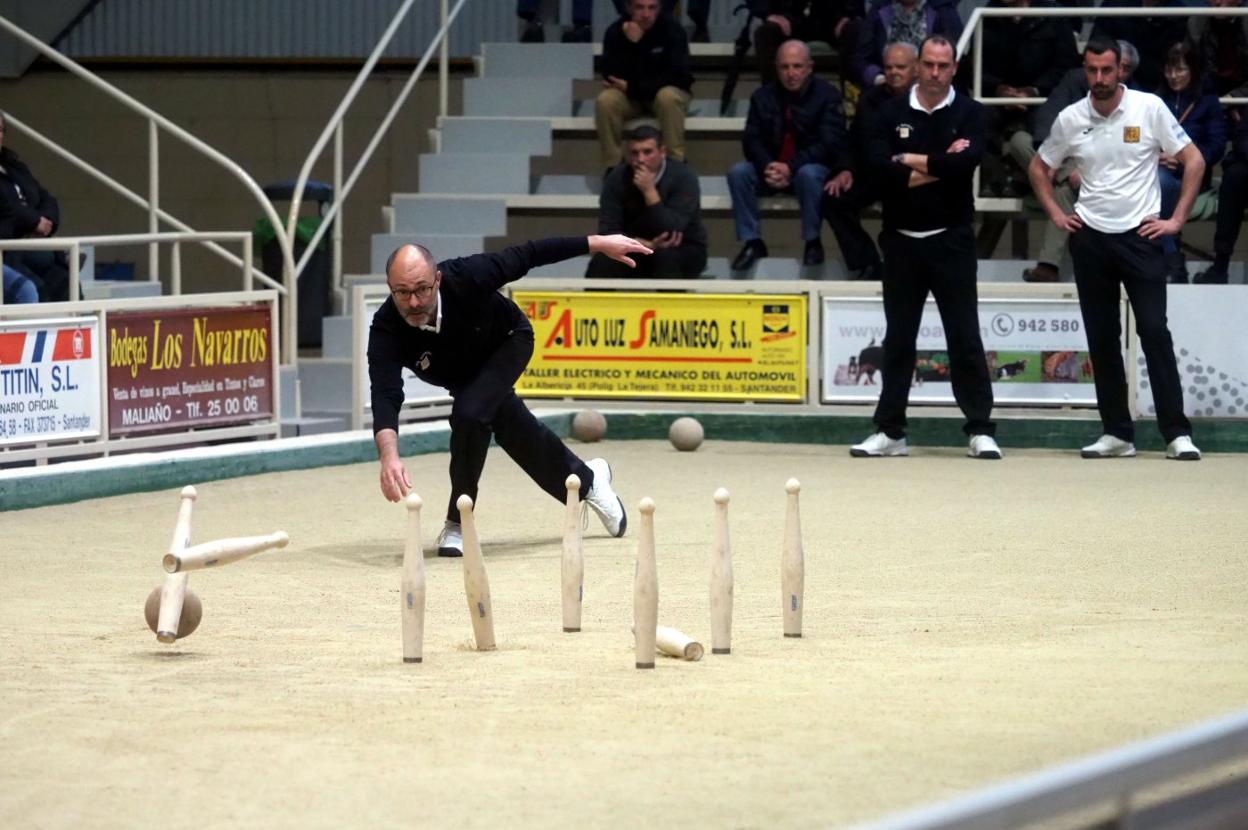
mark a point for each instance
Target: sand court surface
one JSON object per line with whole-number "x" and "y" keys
{"x": 965, "y": 621}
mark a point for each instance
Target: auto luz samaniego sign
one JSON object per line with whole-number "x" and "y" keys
{"x": 189, "y": 367}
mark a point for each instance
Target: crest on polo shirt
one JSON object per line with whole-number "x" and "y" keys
{"x": 1131, "y": 135}
{"x": 904, "y": 131}
{"x": 426, "y": 360}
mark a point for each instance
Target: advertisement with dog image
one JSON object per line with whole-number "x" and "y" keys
{"x": 1036, "y": 349}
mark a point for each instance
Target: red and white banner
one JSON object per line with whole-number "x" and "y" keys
{"x": 49, "y": 380}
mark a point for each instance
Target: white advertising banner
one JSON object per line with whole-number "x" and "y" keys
{"x": 49, "y": 380}
{"x": 1036, "y": 349}
{"x": 415, "y": 391}
{"x": 1207, "y": 325}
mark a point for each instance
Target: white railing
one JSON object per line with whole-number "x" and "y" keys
{"x": 333, "y": 216}
{"x": 73, "y": 245}
{"x": 156, "y": 123}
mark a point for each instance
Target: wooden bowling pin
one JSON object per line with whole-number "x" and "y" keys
{"x": 721, "y": 579}
{"x": 412, "y": 587}
{"x": 476, "y": 583}
{"x": 792, "y": 563}
{"x": 572, "y": 569}
{"x": 173, "y": 592}
{"x": 677, "y": 644}
{"x": 223, "y": 551}
{"x": 645, "y": 590}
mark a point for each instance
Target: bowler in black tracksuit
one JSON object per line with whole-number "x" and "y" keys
{"x": 456, "y": 331}
{"x": 923, "y": 162}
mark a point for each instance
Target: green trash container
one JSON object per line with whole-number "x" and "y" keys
{"x": 314, "y": 299}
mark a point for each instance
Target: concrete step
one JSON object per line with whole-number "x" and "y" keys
{"x": 573, "y": 185}
{"x": 484, "y": 134}
{"x": 336, "y": 336}
{"x": 517, "y": 96}
{"x": 288, "y": 388}
{"x": 442, "y": 246}
{"x": 698, "y": 108}
{"x": 537, "y": 60}
{"x": 325, "y": 384}
{"x": 488, "y": 173}
{"x": 432, "y": 214}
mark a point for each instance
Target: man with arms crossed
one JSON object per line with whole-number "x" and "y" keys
{"x": 447, "y": 323}
{"x": 1115, "y": 136}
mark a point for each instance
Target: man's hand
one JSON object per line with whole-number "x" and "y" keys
{"x": 667, "y": 239}
{"x": 632, "y": 31}
{"x": 1069, "y": 222}
{"x": 645, "y": 180}
{"x": 1155, "y": 227}
{"x": 842, "y": 182}
{"x": 394, "y": 480}
{"x": 613, "y": 82}
{"x": 1168, "y": 161}
{"x": 958, "y": 146}
{"x": 781, "y": 21}
{"x": 617, "y": 247}
{"x": 777, "y": 175}
{"x": 44, "y": 228}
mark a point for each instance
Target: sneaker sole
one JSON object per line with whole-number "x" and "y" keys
{"x": 1185, "y": 456}
{"x": 864, "y": 454}
{"x": 985, "y": 456}
{"x": 1093, "y": 454}
{"x": 450, "y": 553}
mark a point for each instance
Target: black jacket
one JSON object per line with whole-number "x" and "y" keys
{"x": 622, "y": 208}
{"x": 659, "y": 59}
{"x": 23, "y": 201}
{"x": 1027, "y": 51}
{"x": 476, "y": 320}
{"x": 898, "y": 128}
{"x": 818, "y": 124}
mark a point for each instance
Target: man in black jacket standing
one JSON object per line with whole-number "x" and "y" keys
{"x": 645, "y": 69}
{"x": 923, "y": 149}
{"x": 794, "y": 133}
{"x": 447, "y": 323}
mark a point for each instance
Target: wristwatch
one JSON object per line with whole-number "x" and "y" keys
{"x": 899, "y": 158}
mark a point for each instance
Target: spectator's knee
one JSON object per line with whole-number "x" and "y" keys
{"x": 670, "y": 98}
{"x": 741, "y": 173}
{"x": 810, "y": 176}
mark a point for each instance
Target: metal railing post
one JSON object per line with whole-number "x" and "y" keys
{"x": 337, "y": 238}
{"x": 248, "y": 282}
{"x": 75, "y": 276}
{"x": 175, "y": 269}
{"x": 444, "y": 63}
{"x": 153, "y": 199}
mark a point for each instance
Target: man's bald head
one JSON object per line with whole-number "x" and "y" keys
{"x": 413, "y": 278}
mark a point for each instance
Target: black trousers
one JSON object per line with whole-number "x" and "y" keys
{"x": 1103, "y": 261}
{"x": 944, "y": 265}
{"x": 844, "y": 216}
{"x": 1232, "y": 199}
{"x": 683, "y": 261}
{"x": 488, "y": 406}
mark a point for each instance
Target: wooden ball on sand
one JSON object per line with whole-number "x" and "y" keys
{"x": 192, "y": 612}
{"x": 685, "y": 434}
{"x": 588, "y": 426}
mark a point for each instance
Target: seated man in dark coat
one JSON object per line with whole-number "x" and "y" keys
{"x": 656, "y": 200}
{"x": 28, "y": 210}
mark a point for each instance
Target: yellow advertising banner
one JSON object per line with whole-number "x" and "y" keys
{"x": 721, "y": 347}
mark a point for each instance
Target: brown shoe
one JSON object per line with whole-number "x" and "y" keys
{"x": 1043, "y": 272}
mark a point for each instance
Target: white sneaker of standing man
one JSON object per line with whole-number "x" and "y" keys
{"x": 1108, "y": 446}
{"x": 984, "y": 446}
{"x": 879, "y": 445}
{"x": 1182, "y": 449}
{"x": 603, "y": 499}
{"x": 451, "y": 540}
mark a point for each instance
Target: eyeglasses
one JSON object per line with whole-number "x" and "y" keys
{"x": 420, "y": 292}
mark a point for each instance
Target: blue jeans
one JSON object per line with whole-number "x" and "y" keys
{"x": 17, "y": 288}
{"x": 745, "y": 187}
{"x": 1171, "y": 182}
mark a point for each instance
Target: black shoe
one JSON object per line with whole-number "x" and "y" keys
{"x": 1214, "y": 275}
{"x": 751, "y": 252}
{"x": 580, "y": 33}
{"x": 814, "y": 253}
{"x": 533, "y": 33}
{"x": 873, "y": 272}
{"x": 1176, "y": 268}
{"x": 1043, "y": 272}
{"x": 700, "y": 35}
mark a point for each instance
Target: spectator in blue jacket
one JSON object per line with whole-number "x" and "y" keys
{"x": 794, "y": 134}
{"x": 900, "y": 21}
{"x": 1199, "y": 112}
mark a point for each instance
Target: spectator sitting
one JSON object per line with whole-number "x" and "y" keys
{"x": 645, "y": 66}
{"x": 1200, "y": 114}
{"x": 1073, "y": 86}
{"x": 1223, "y": 41}
{"x": 794, "y": 131}
{"x": 849, "y": 191}
{"x": 1232, "y": 199}
{"x": 656, "y": 200}
{"x": 17, "y": 288}
{"x": 832, "y": 21}
{"x": 1024, "y": 57}
{"x": 1152, "y": 36}
{"x": 28, "y": 210}
{"x": 900, "y": 21}
{"x": 581, "y": 30}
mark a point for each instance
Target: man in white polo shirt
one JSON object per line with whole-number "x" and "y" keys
{"x": 1114, "y": 136}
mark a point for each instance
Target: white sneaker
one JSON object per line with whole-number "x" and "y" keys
{"x": 1107, "y": 446}
{"x": 879, "y": 446}
{"x": 1182, "y": 449}
{"x": 451, "y": 540}
{"x": 984, "y": 446}
{"x": 603, "y": 499}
